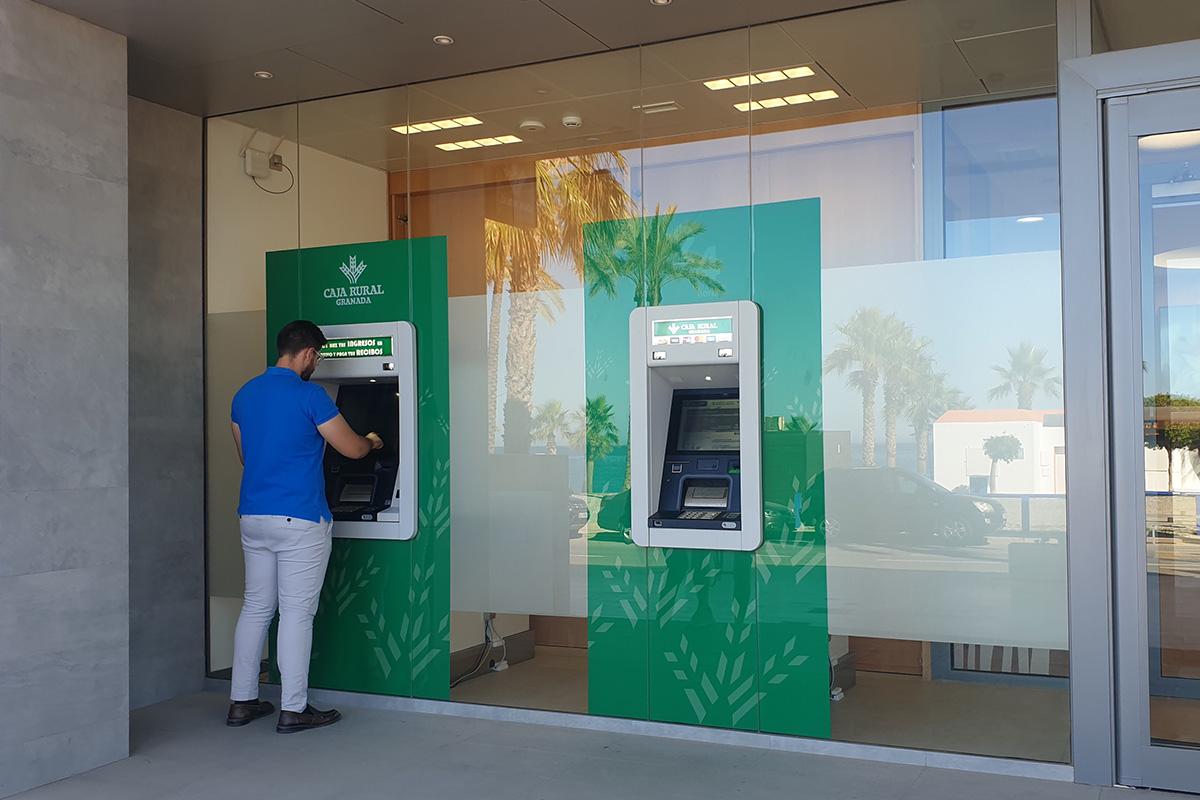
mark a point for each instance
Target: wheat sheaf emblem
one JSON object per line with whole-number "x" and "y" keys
{"x": 354, "y": 269}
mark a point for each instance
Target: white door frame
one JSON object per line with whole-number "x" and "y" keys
{"x": 1095, "y": 481}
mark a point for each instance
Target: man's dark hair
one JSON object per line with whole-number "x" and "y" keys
{"x": 296, "y": 337}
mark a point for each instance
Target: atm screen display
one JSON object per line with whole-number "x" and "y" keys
{"x": 372, "y": 407}
{"x": 692, "y": 331}
{"x": 708, "y": 425}
{"x": 358, "y": 347}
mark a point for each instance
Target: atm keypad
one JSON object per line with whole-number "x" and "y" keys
{"x": 700, "y": 514}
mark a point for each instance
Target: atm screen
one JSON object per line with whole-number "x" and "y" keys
{"x": 373, "y": 407}
{"x": 708, "y": 425}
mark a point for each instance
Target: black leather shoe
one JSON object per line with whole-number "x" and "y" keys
{"x": 243, "y": 712}
{"x": 306, "y": 720}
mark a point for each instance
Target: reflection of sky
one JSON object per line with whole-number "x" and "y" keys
{"x": 986, "y": 237}
{"x": 972, "y": 309}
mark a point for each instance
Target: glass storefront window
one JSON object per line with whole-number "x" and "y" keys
{"x": 895, "y": 219}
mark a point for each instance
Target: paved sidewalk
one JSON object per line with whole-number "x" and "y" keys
{"x": 182, "y": 751}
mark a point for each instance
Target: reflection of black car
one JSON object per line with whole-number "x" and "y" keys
{"x": 577, "y": 515}
{"x": 883, "y": 504}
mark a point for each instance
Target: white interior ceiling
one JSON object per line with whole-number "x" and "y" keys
{"x": 1125, "y": 24}
{"x": 200, "y": 55}
{"x": 910, "y": 51}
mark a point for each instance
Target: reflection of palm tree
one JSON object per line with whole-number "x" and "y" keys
{"x": 595, "y": 431}
{"x": 906, "y": 361}
{"x": 651, "y": 253}
{"x": 929, "y": 397}
{"x": 1004, "y": 447}
{"x": 549, "y": 420}
{"x": 1025, "y": 375}
{"x": 862, "y": 356}
{"x": 571, "y": 192}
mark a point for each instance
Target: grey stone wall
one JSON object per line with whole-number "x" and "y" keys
{"x": 166, "y": 404}
{"x": 64, "y": 430}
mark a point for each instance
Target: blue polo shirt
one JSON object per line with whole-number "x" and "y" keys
{"x": 278, "y": 413}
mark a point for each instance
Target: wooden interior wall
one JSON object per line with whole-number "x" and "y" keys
{"x": 897, "y": 656}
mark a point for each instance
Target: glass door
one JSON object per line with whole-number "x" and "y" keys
{"x": 1154, "y": 299}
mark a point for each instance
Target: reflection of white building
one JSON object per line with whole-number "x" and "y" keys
{"x": 959, "y": 460}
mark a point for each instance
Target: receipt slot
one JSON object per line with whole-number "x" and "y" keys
{"x": 696, "y": 435}
{"x": 370, "y": 371}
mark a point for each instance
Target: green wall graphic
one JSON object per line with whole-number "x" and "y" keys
{"x": 383, "y": 624}
{"x": 729, "y": 639}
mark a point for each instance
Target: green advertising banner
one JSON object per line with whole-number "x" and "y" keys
{"x": 383, "y": 624}
{"x": 729, "y": 639}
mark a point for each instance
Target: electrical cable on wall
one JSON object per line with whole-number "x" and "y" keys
{"x": 272, "y": 191}
{"x": 488, "y": 647}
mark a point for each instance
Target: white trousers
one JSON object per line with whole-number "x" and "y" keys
{"x": 285, "y": 567}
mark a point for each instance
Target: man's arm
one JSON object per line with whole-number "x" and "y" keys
{"x": 237, "y": 442}
{"x": 341, "y": 437}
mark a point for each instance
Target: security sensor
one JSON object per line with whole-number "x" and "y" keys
{"x": 258, "y": 163}
{"x": 532, "y": 125}
{"x": 572, "y": 120}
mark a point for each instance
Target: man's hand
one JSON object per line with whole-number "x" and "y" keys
{"x": 341, "y": 437}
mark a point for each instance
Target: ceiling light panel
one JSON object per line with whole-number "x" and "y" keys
{"x": 755, "y": 78}
{"x": 473, "y": 144}
{"x": 437, "y": 125}
{"x": 790, "y": 100}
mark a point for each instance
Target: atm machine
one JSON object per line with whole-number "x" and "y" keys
{"x": 370, "y": 371}
{"x": 696, "y": 426}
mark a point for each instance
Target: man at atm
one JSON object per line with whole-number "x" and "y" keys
{"x": 281, "y": 424}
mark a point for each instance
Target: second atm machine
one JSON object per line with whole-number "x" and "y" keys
{"x": 695, "y": 440}
{"x": 369, "y": 370}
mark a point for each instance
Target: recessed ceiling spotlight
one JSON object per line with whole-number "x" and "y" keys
{"x": 443, "y": 39}
{"x": 1032, "y": 218}
{"x": 263, "y": 74}
{"x": 660, "y": 2}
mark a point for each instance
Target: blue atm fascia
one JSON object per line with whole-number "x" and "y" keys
{"x": 703, "y": 467}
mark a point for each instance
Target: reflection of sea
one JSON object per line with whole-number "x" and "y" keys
{"x": 906, "y": 454}
{"x": 610, "y": 472}
{"x": 609, "y": 475}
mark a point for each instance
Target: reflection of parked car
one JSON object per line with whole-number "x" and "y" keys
{"x": 881, "y": 504}
{"x": 577, "y": 515}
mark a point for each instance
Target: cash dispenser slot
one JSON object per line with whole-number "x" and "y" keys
{"x": 706, "y": 493}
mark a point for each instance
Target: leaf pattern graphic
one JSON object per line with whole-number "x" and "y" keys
{"x": 429, "y": 640}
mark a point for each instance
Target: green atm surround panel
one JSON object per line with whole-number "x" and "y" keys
{"x": 383, "y": 623}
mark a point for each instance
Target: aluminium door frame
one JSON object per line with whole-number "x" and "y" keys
{"x": 1085, "y": 84}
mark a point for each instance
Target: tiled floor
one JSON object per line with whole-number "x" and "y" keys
{"x": 182, "y": 750}
{"x": 894, "y": 710}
